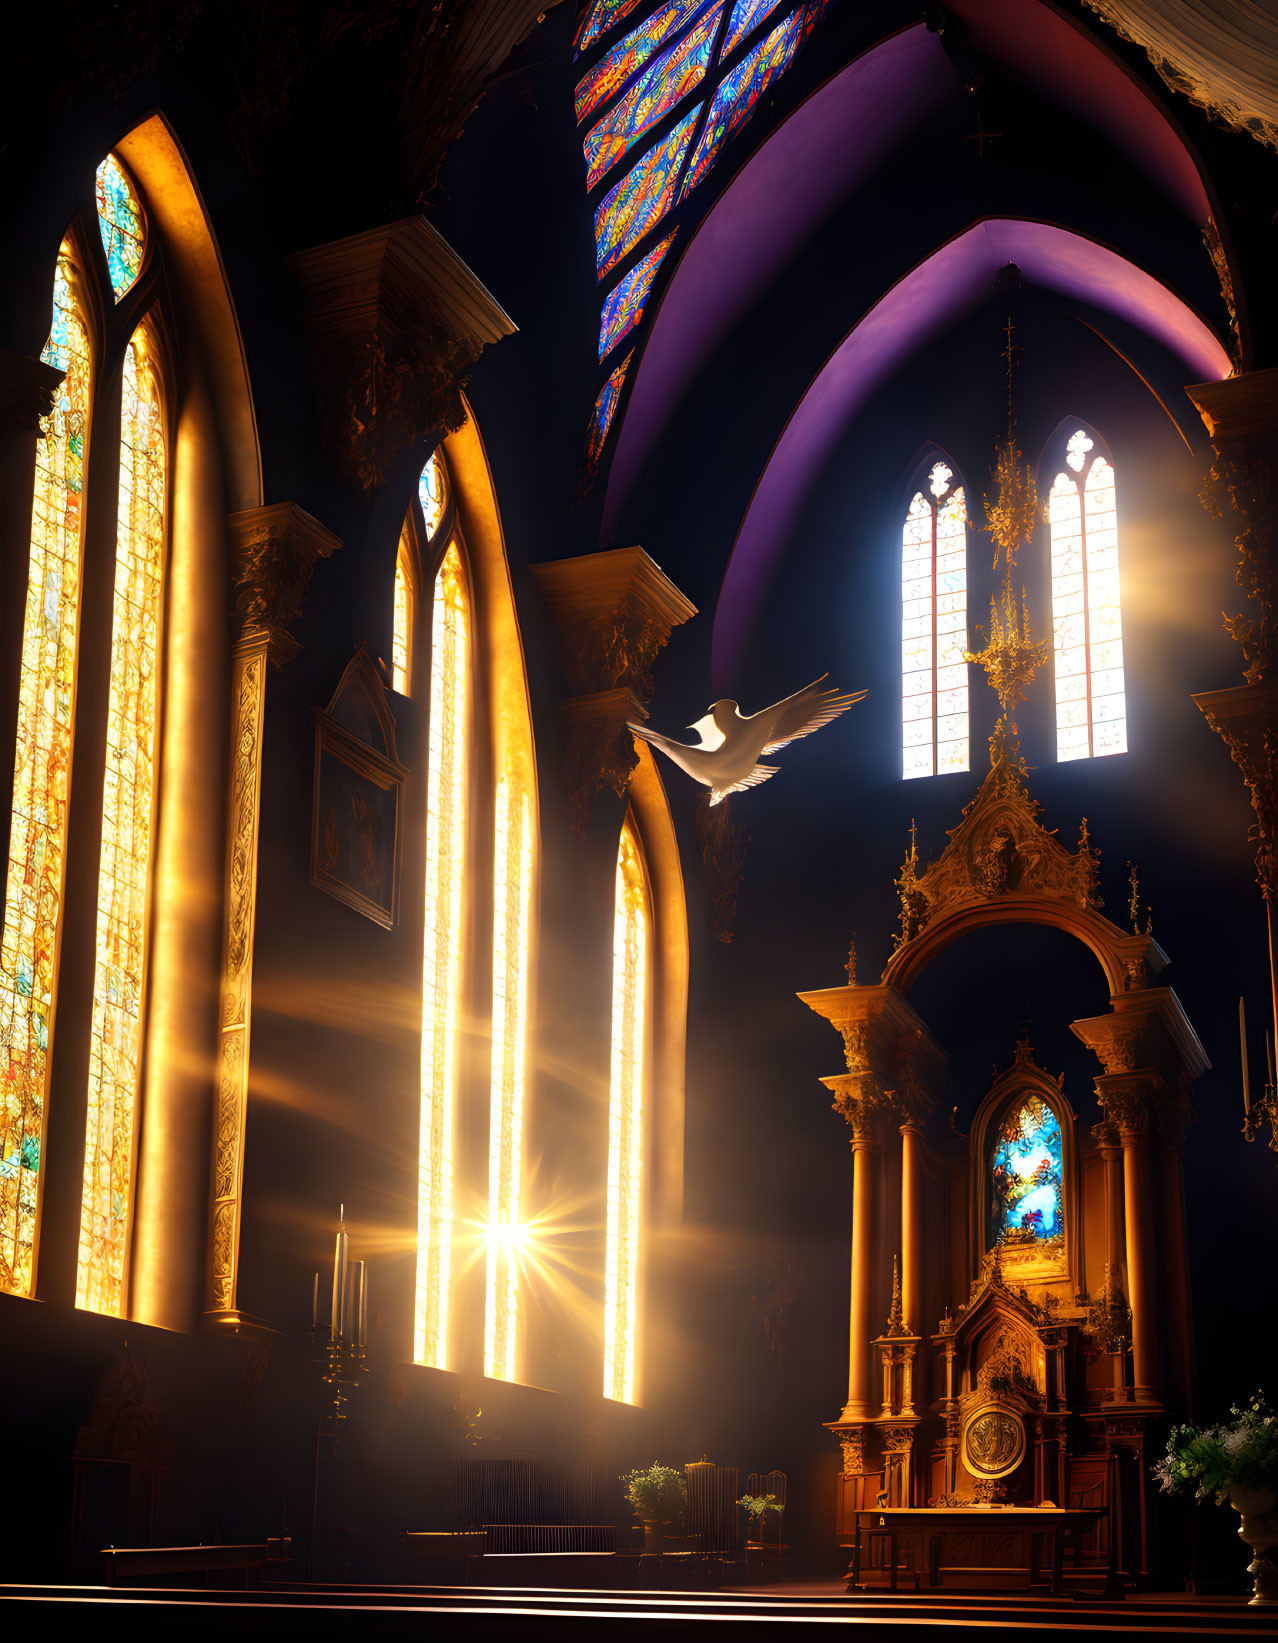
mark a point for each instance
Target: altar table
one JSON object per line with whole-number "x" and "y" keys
{"x": 1031, "y": 1525}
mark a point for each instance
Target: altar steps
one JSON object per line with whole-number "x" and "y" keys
{"x": 533, "y": 1614}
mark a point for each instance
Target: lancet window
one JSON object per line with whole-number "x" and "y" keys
{"x": 934, "y": 686}
{"x": 1087, "y": 633}
{"x": 479, "y": 767}
{"x": 46, "y": 750}
{"x": 631, "y": 966}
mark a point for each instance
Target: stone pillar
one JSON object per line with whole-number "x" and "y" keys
{"x": 867, "y": 1159}
{"x": 1126, "y": 1098}
{"x": 275, "y": 551}
{"x": 1106, "y": 1135}
{"x": 1169, "y": 1170}
{"x": 1241, "y": 418}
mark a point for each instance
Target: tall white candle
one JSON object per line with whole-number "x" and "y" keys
{"x": 315, "y": 1301}
{"x": 1242, "y": 1034}
{"x": 339, "y": 1277}
{"x": 361, "y": 1289}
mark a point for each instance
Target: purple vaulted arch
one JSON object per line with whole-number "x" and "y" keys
{"x": 930, "y": 298}
{"x": 831, "y": 145}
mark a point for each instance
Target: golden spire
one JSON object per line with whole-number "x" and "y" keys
{"x": 1012, "y": 515}
{"x": 896, "y": 1323}
{"x": 851, "y": 963}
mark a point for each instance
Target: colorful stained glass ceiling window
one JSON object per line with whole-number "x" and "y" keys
{"x": 745, "y": 14}
{"x": 604, "y": 411}
{"x": 432, "y": 493}
{"x": 672, "y": 76}
{"x": 737, "y": 95}
{"x": 625, "y": 304}
{"x": 602, "y": 15}
{"x": 642, "y": 197}
{"x": 122, "y": 225}
{"x": 629, "y": 55}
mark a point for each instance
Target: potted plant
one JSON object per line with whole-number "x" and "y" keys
{"x": 1236, "y": 1462}
{"x": 757, "y": 1507}
{"x": 659, "y": 1497}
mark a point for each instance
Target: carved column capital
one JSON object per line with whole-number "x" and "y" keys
{"x": 1246, "y": 719}
{"x": 274, "y": 550}
{"x": 614, "y": 613}
{"x": 28, "y": 388}
{"x": 897, "y": 1068}
{"x": 1128, "y": 1101}
{"x": 397, "y": 321}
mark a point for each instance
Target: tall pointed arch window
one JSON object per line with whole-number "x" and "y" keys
{"x": 41, "y": 782}
{"x": 480, "y": 790}
{"x": 934, "y": 686}
{"x": 1026, "y": 1203}
{"x": 128, "y": 815}
{"x": 432, "y": 496}
{"x": 631, "y": 961}
{"x": 1087, "y": 629}
{"x": 447, "y": 770}
{"x": 48, "y": 751}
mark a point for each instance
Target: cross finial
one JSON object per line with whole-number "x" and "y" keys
{"x": 851, "y": 963}
{"x": 914, "y": 838}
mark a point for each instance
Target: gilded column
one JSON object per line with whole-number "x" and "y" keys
{"x": 867, "y": 1157}
{"x": 1127, "y": 1104}
{"x": 275, "y": 551}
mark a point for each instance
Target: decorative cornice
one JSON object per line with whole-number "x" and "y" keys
{"x": 614, "y": 613}
{"x": 887, "y": 1047}
{"x": 397, "y": 321}
{"x": 28, "y": 389}
{"x": 1241, "y": 410}
{"x": 1246, "y": 719}
{"x": 1146, "y": 1030}
{"x": 274, "y": 550}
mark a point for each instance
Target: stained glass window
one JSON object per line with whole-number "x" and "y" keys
{"x": 121, "y": 224}
{"x": 601, "y": 16}
{"x": 745, "y": 14}
{"x": 628, "y": 56}
{"x": 432, "y": 493}
{"x": 642, "y": 197}
{"x": 739, "y": 91}
{"x": 402, "y": 624}
{"x": 447, "y": 762}
{"x": 604, "y": 411}
{"x": 934, "y": 700}
{"x": 630, "y": 944}
{"x": 512, "y": 913}
{"x": 1087, "y": 635}
{"x": 672, "y": 76}
{"x": 128, "y": 811}
{"x": 41, "y": 779}
{"x": 1026, "y": 1173}
{"x": 624, "y": 308}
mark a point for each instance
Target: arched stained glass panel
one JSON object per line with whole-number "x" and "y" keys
{"x": 1091, "y": 702}
{"x": 624, "y": 308}
{"x": 121, "y": 224}
{"x": 630, "y": 961}
{"x": 1026, "y": 1176}
{"x": 402, "y": 624}
{"x": 934, "y": 686}
{"x": 512, "y": 919}
{"x": 601, "y": 17}
{"x": 745, "y": 14}
{"x": 128, "y": 817}
{"x": 41, "y": 783}
{"x": 432, "y": 493}
{"x": 643, "y": 196}
{"x": 447, "y": 764}
{"x": 672, "y": 76}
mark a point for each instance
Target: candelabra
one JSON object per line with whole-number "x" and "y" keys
{"x": 340, "y": 1348}
{"x": 1264, "y": 1110}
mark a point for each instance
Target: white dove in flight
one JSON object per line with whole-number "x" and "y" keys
{"x": 726, "y": 759}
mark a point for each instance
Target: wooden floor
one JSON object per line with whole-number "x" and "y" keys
{"x": 440, "y": 1612}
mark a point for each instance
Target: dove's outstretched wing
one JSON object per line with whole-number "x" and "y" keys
{"x": 760, "y": 773}
{"x": 799, "y": 715}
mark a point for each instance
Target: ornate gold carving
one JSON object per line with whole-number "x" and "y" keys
{"x": 999, "y": 848}
{"x": 897, "y": 1440}
{"x": 1246, "y": 719}
{"x": 993, "y": 1441}
{"x": 1225, "y": 279}
{"x": 1109, "y": 1318}
{"x": 896, "y": 1324}
{"x": 274, "y": 552}
{"x": 1127, "y": 1109}
{"x": 852, "y": 1444}
{"x": 856, "y": 1045}
{"x": 244, "y": 804}
{"x": 864, "y": 1107}
{"x": 1240, "y": 487}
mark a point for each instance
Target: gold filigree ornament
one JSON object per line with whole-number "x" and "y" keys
{"x": 1010, "y": 657}
{"x": 1012, "y": 515}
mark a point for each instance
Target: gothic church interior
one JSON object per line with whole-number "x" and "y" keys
{"x": 420, "y": 1110}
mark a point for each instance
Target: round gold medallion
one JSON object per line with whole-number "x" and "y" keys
{"x": 993, "y": 1441}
